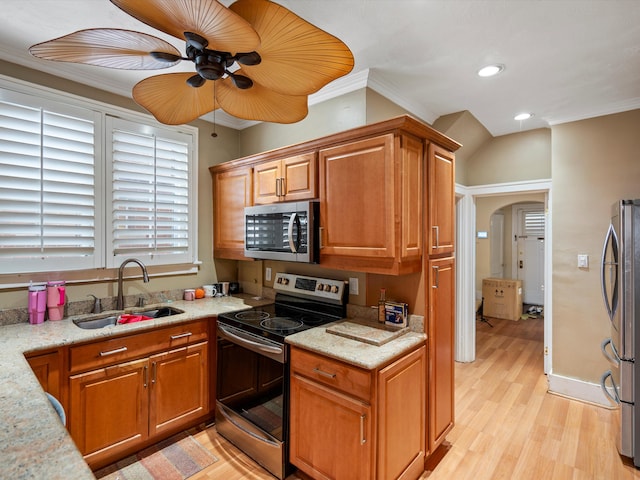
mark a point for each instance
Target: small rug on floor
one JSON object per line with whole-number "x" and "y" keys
{"x": 178, "y": 457}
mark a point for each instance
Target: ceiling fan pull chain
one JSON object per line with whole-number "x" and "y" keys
{"x": 214, "y": 134}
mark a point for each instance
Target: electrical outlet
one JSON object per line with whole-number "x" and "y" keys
{"x": 353, "y": 286}
{"x": 267, "y": 274}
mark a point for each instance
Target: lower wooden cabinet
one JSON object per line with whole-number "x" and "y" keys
{"x": 120, "y": 407}
{"x": 47, "y": 368}
{"x": 440, "y": 327}
{"x": 347, "y": 422}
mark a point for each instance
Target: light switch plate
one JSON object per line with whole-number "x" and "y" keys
{"x": 583, "y": 261}
{"x": 267, "y": 274}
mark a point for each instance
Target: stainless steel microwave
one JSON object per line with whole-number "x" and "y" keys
{"x": 282, "y": 231}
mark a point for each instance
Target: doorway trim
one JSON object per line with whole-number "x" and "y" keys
{"x": 466, "y": 262}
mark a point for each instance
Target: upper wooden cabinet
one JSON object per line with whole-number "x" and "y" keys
{"x": 370, "y": 204}
{"x": 287, "y": 180}
{"x": 440, "y": 201}
{"x": 232, "y": 191}
{"x": 378, "y": 185}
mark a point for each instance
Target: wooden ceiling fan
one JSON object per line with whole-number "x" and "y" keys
{"x": 255, "y": 60}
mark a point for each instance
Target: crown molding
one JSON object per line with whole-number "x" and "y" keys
{"x": 393, "y": 93}
{"x": 619, "y": 107}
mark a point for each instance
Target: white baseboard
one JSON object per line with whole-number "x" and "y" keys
{"x": 578, "y": 390}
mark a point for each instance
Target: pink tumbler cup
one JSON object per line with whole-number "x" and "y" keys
{"x": 37, "y": 304}
{"x": 55, "y": 299}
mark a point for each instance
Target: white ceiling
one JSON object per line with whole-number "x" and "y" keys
{"x": 565, "y": 59}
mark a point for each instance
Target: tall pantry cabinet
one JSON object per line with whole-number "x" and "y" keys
{"x": 439, "y": 272}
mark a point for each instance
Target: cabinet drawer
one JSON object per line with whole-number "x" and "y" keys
{"x": 118, "y": 349}
{"x": 349, "y": 379}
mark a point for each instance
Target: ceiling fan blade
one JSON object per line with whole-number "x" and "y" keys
{"x": 260, "y": 103}
{"x": 224, "y": 30}
{"x": 171, "y": 100}
{"x": 108, "y": 47}
{"x": 297, "y": 57}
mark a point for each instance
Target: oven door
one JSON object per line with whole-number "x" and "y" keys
{"x": 252, "y": 396}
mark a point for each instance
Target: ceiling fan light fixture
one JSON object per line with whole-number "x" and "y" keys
{"x": 491, "y": 70}
{"x": 523, "y": 116}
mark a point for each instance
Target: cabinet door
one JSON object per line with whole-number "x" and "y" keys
{"x": 47, "y": 368}
{"x": 266, "y": 182}
{"x": 440, "y": 331}
{"x": 179, "y": 386}
{"x": 286, "y": 180}
{"x": 330, "y": 433}
{"x": 411, "y": 177}
{"x": 300, "y": 177}
{"x": 232, "y": 191}
{"x": 402, "y": 417}
{"x": 357, "y": 201}
{"x": 109, "y": 409}
{"x": 440, "y": 200}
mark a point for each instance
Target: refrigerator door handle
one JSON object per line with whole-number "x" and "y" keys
{"x": 613, "y": 357}
{"x": 615, "y": 399}
{"x": 609, "y": 303}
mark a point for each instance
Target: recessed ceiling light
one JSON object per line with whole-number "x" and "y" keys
{"x": 490, "y": 70}
{"x": 523, "y": 116}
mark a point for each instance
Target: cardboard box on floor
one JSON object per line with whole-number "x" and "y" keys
{"x": 502, "y": 298}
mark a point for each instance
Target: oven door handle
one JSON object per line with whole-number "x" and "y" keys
{"x": 222, "y": 409}
{"x": 244, "y": 341}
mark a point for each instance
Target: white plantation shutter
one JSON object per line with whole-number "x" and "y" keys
{"x": 151, "y": 214}
{"x": 47, "y": 185}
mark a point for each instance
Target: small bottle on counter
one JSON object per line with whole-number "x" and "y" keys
{"x": 381, "y": 306}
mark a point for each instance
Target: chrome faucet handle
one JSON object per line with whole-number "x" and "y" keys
{"x": 97, "y": 305}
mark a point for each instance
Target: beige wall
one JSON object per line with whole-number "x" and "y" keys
{"x": 211, "y": 151}
{"x": 595, "y": 163}
{"x": 511, "y": 158}
{"x": 464, "y": 128}
{"x": 335, "y": 115}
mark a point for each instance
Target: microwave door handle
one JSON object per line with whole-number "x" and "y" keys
{"x": 610, "y": 237}
{"x": 293, "y": 245}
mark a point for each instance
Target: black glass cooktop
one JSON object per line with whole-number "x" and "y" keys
{"x": 276, "y": 321}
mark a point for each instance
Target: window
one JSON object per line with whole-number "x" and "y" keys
{"x": 150, "y": 195}
{"x": 81, "y": 189}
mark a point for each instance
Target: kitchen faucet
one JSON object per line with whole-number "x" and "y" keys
{"x": 145, "y": 278}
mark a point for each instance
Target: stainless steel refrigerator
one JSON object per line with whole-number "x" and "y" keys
{"x": 620, "y": 274}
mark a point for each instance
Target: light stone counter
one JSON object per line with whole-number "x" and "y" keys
{"x": 355, "y": 352}
{"x": 35, "y": 445}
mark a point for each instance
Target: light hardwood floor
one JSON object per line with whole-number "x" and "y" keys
{"x": 507, "y": 425}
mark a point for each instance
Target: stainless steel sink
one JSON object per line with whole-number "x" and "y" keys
{"x": 104, "y": 320}
{"x": 91, "y": 323}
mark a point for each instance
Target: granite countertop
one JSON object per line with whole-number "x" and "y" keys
{"x": 35, "y": 444}
{"x": 360, "y": 353}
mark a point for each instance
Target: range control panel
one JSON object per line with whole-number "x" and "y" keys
{"x": 320, "y": 288}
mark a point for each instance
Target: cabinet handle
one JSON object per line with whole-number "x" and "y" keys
{"x": 436, "y": 269}
{"x": 181, "y": 335}
{"x": 154, "y": 372}
{"x": 320, "y": 233}
{"x": 437, "y": 236}
{"x": 324, "y": 374}
{"x": 277, "y": 187}
{"x": 363, "y": 439}
{"x": 112, "y": 352}
{"x": 145, "y": 376}
{"x": 283, "y": 187}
